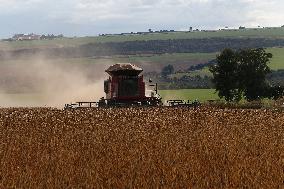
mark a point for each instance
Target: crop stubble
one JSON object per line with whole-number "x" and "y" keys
{"x": 141, "y": 147}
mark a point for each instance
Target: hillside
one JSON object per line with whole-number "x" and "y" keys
{"x": 77, "y": 41}
{"x": 148, "y": 43}
{"x": 208, "y": 45}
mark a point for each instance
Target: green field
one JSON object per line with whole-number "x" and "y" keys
{"x": 189, "y": 94}
{"x": 277, "y": 61}
{"x": 168, "y": 58}
{"x": 75, "y": 41}
{"x": 151, "y": 58}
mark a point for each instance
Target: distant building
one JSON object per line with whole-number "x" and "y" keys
{"x": 22, "y": 37}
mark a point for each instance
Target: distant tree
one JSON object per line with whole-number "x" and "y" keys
{"x": 43, "y": 37}
{"x": 225, "y": 75}
{"x": 244, "y": 73}
{"x": 253, "y": 70}
{"x": 201, "y": 66}
{"x": 167, "y": 70}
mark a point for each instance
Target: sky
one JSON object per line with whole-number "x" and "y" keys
{"x": 93, "y": 17}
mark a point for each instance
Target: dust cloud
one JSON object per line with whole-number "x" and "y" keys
{"x": 39, "y": 82}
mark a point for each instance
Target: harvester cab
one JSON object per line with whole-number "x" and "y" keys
{"x": 126, "y": 86}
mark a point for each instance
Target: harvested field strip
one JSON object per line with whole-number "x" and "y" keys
{"x": 141, "y": 148}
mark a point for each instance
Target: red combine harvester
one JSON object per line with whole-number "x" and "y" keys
{"x": 125, "y": 87}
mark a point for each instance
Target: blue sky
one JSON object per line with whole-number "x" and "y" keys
{"x": 91, "y": 17}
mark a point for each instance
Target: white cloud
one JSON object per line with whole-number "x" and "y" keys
{"x": 198, "y": 12}
{"x": 132, "y": 15}
{"x": 267, "y": 13}
{"x": 16, "y": 6}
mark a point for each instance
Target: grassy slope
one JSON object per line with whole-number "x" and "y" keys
{"x": 161, "y": 59}
{"x": 175, "y": 57}
{"x": 277, "y": 61}
{"x": 267, "y": 33}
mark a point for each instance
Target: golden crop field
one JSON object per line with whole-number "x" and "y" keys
{"x": 141, "y": 148}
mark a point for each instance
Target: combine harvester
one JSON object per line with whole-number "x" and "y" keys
{"x": 126, "y": 87}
